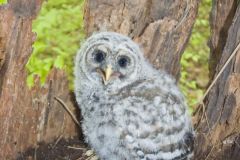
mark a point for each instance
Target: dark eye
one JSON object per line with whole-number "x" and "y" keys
{"x": 99, "y": 56}
{"x": 123, "y": 61}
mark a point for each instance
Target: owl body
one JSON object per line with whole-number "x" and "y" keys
{"x": 139, "y": 114}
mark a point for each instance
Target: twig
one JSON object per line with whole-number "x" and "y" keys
{"x": 35, "y": 153}
{"x": 219, "y": 74}
{"x": 184, "y": 16}
{"x": 209, "y": 153}
{"x": 210, "y": 87}
{"x": 205, "y": 113}
{"x": 77, "y": 148}
{"x": 59, "y": 138}
{"x": 68, "y": 110}
{"x": 216, "y": 78}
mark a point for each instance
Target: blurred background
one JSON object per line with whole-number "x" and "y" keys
{"x": 59, "y": 27}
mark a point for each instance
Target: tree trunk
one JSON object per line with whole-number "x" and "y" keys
{"x": 218, "y": 123}
{"x": 161, "y": 28}
{"x": 27, "y": 116}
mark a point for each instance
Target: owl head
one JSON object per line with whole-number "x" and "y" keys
{"x": 108, "y": 59}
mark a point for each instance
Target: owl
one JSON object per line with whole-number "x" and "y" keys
{"x": 130, "y": 110}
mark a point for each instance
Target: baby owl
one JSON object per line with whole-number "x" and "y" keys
{"x": 130, "y": 110}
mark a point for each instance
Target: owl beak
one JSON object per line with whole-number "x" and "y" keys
{"x": 107, "y": 74}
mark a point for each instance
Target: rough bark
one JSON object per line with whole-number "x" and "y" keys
{"x": 27, "y": 116}
{"x": 222, "y": 15}
{"x": 162, "y": 28}
{"x": 218, "y": 128}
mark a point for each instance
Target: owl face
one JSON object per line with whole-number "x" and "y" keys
{"x": 110, "y": 60}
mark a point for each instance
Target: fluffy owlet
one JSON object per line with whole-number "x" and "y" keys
{"x": 130, "y": 110}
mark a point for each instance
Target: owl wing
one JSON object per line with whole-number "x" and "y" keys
{"x": 157, "y": 124}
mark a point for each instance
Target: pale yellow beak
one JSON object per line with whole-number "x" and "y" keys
{"x": 107, "y": 74}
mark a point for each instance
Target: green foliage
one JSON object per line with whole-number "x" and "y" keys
{"x": 59, "y": 29}
{"x": 194, "y": 74}
{"x": 3, "y": 2}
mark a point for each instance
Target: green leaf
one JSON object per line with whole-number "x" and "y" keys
{"x": 57, "y": 38}
{"x": 195, "y": 58}
{"x": 3, "y": 2}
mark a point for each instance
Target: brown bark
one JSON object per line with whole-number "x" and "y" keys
{"x": 162, "y": 28}
{"x": 221, "y": 19}
{"x": 27, "y": 116}
{"x": 218, "y": 128}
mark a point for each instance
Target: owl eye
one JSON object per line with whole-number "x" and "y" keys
{"x": 123, "y": 61}
{"x": 99, "y": 56}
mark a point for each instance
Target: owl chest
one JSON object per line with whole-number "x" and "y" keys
{"x": 121, "y": 114}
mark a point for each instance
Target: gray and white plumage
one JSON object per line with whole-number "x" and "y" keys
{"x": 138, "y": 112}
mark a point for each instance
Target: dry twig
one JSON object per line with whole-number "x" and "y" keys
{"x": 77, "y": 148}
{"x": 215, "y": 80}
{"x": 68, "y": 110}
{"x": 221, "y": 71}
{"x": 59, "y": 138}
